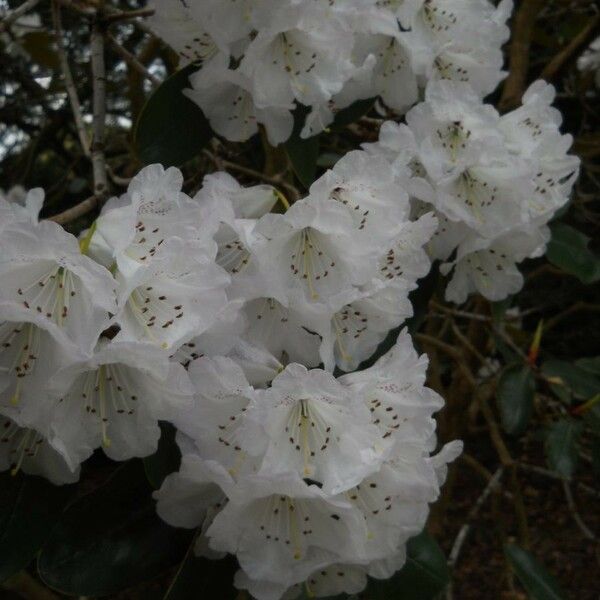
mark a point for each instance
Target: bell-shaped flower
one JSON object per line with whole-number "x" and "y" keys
{"x": 19, "y": 205}
{"x": 301, "y": 54}
{"x": 311, "y": 250}
{"x": 44, "y": 271}
{"x": 131, "y": 229}
{"x": 367, "y": 188}
{"x": 362, "y": 322}
{"x": 178, "y": 295}
{"x": 314, "y": 427}
{"x": 281, "y": 528}
{"x": 216, "y": 421}
{"x": 114, "y": 400}
{"x": 490, "y": 266}
{"x": 28, "y": 449}
{"x": 227, "y": 98}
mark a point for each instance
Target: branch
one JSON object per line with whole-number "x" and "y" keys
{"x": 515, "y": 83}
{"x": 132, "y": 60}
{"x": 464, "y": 530}
{"x": 579, "y": 42}
{"x": 88, "y": 205}
{"x": 69, "y": 83}
{"x": 576, "y": 516}
{"x": 17, "y": 13}
{"x": 99, "y": 111}
{"x": 116, "y": 17}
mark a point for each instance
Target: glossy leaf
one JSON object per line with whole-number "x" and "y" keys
{"x": 303, "y": 153}
{"x": 568, "y": 250}
{"x": 171, "y": 128}
{"x": 111, "y": 539}
{"x": 582, "y": 384}
{"x": 538, "y": 582}
{"x": 591, "y": 364}
{"x": 515, "y": 393}
{"x": 423, "y": 577}
{"x": 166, "y": 459}
{"x": 203, "y": 578}
{"x": 29, "y": 508}
{"x": 562, "y": 439}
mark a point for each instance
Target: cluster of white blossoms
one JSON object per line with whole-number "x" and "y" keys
{"x": 214, "y": 313}
{"x": 261, "y": 58}
{"x": 494, "y": 181}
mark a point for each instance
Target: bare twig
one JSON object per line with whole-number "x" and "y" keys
{"x": 578, "y": 43}
{"x": 131, "y": 60}
{"x": 551, "y": 475}
{"x": 576, "y": 516}
{"x": 117, "y": 17}
{"x": 69, "y": 215}
{"x": 17, "y": 13}
{"x": 465, "y": 528}
{"x": 515, "y": 83}
{"x": 99, "y": 111}
{"x": 69, "y": 83}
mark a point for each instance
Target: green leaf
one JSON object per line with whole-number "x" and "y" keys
{"x": 568, "y": 250}
{"x": 166, "y": 459}
{"x": 515, "y": 393}
{"x": 423, "y": 577}
{"x": 203, "y": 578}
{"x": 590, "y": 364}
{"x": 562, "y": 439}
{"x": 111, "y": 539}
{"x": 29, "y": 508}
{"x": 538, "y": 582}
{"x": 303, "y": 153}
{"x": 171, "y": 128}
{"x": 581, "y": 383}
{"x": 499, "y": 309}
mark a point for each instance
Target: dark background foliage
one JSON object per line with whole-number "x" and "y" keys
{"x": 519, "y": 515}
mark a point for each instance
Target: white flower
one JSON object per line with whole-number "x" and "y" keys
{"x": 532, "y": 131}
{"x": 590, "y": 60}
{"x": 28, "y": 449}
{"x": 490, "y": 267}
{"x": 287, "y": 332}
{"x": 132, "y": 228}
{"x": 366, "y": 187}
{"x": 301, "y": 54}
{"x": 32, "y": 348}
{"x": 114, "y": 399}
{"x": 362, "y": 322}
{"x": 282, "y": 529}
{"x": 178, "y": 295}
{"x": 226, "y": 97}
{"x": 20, "y": 205}
{"x": 310, "y": 250}
{"x": 315, "y": 428}
{"x": 215, "y": 422}
{"x": 43, "y": 270}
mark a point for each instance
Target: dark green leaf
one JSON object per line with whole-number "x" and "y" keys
{"x": 540, "y": 584}
{"x": 568, "y": 250}
{"x": 591, "y": 364}
{"x": 111, "y": 539}
{"x": 499, "y": 309}
{"x": 423, "y": 577}
{"x": 29, "y": 508}
{"x": 562, "y": 439}
{"x": 581, "y": 383}
{"x": 166, "y": 459}
{"x": 515, "y": 398}
{"x": 203, "y": 578}
{"x": 303, "y": 153}
{"x": 171, "y": 128}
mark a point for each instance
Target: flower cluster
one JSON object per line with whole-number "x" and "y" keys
{"x": 314, "y": 482}
{"x": 261, "y": 58}
{"x": 493, "y": 181}
{"x": 209, "y": 312}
